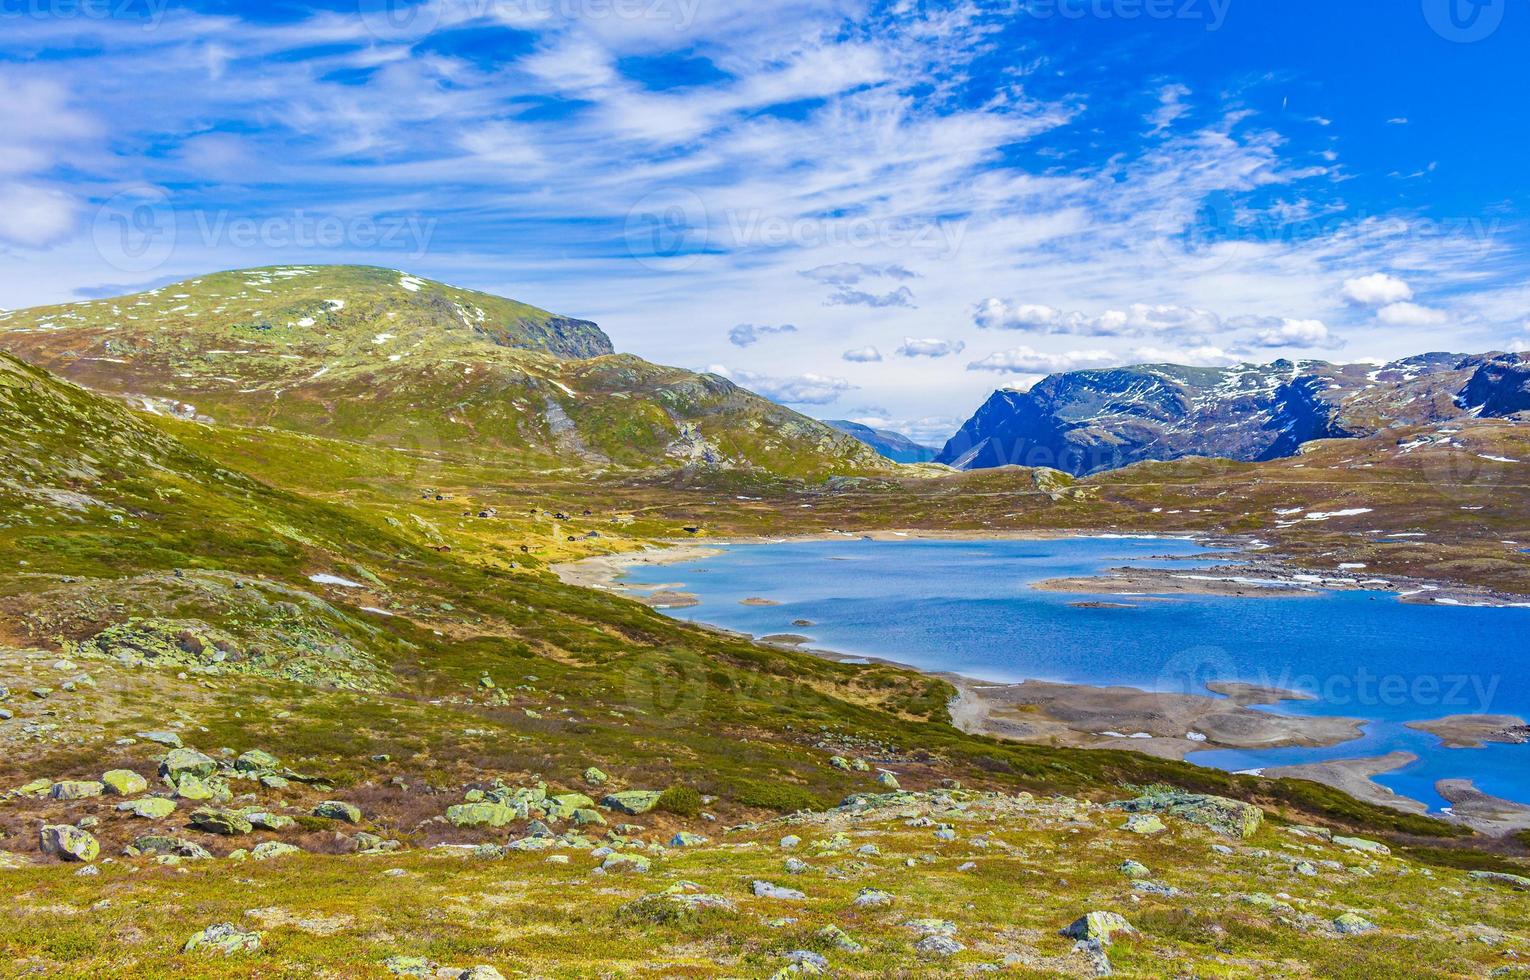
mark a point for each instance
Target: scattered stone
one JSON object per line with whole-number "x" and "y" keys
{"x": 838, "y": 938}
{"x": 764, "y": 889}
{"x": 1145, "y": 824}
{"x": 872, "y": 898}
{"x": 1231, "y": 818}
{"x": 68, "y": 843}
{"x": 887, "y": 780}
{"x": 76, "y": 789}
{"x": 257, "y": 761}
{"x": 1516, "y": 882}
{"x": 1361, "y": 844}
{"x": 186, "y": 762}
{"x": 274, "y": 849}
{"x": 409, "y": 966}
{"x": 1100, "y": 926}
{"x": 480, "y": 973}
{"x": 938, "y": 946}
{"x": 626, "y": 864}
{"x": 482, "y": 815}
{"x": 124, "y": 782}
{"x": 684, "y": 839}
{"x": 595, "y": 777}
{"x": 1134, "y": 869}
{"x": 633, "y": 802}
{"x": 149, "y": 808}
{"x": 215, "y": 821}
{"x": 1353, "y": 924}
{"x": 790, "y": 841}
{"x": 225, "y": 938}
{"x": 177, "y": 847}
{"x": 161, "y": 738}
{"x": 338, "y": 810}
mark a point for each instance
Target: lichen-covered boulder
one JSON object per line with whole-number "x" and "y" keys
{"x": 595, "y": 777}
{"x": 338, "y": 810}
{"x": 1231, "y": 818}
{"x": 1102, "y": 927}
{"x": 481, "y": 815}
{"x": 225, "y": 938}
{"x": 632, "y": 802}
{"x": 186, "y": 762}
{"x": 225, "y": 822}
{"x": 257, "y": 761}
{"x": 124, "y": 782}
{"x": 76, "y": 789}
{"x": 172, "y": 847}
{"x": 149, "y": 808}
{"x": 273, "y": 849}
{"x": 69, "y": 843}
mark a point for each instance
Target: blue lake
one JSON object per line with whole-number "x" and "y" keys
{"x": 967, "y": 607}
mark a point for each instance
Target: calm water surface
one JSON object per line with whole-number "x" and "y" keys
{"x": 967, "y": 607}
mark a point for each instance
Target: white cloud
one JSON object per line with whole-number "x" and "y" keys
{"x": 1028, "y": 360}
{"x": 863, "y": 355}
{"x": 844, "y": 296}
{"x": 1170, "y": 107}
{"x": 1137, "y": 320}
{"x": 803, "y": 389}
{"x": 1295, "y": 333}
{"x": 1411, "y": 315}
{"x": 1203, "y": 356}
{"x": 851, "y": 273}
{"x": 747, "y": 334}
{"x": 929, "y": 347}
{"x": 1377, "y": 289}
{"x": 35, "y": 216}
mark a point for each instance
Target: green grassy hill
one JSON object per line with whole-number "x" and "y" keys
{"x": 378, "y": 356}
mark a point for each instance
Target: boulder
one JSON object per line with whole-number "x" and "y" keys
{"x": 1353, "y": 924}
{"x": 1230, "y": 818}
{"x": 634, "y": 802}
{"x": 940, "y": 946}
{"x": 76, "y": 789}
{"x": 257, "y": 761}
{"x": 1361, "y": 844}
{"x": 1145, "y": 824}
{"x": 626, "y": 864}
{"x": 172, "y": 847}
{"x": 225, "y": 938}
{"x": 149, "y": 808}
{"x": 338, "y": 810}
{"x": 266, "y": 820}
{"x": 186, "y": 762}
{"x": 481, "y": 815}
{"x": 887, "y": 780}
{"x": 1516, "y": 882}
{"x": 683, "y": 839}
{"x": 1134, "y": 869}
{"x": 274, "y": 849}
{"x": 1102, "y": 927}
{"x": 68, "y": 843}
{"x": 764, "y": 889}
{"x": 124, "y": 782}
{"x": 595, "y": 777}
{"x": 589, "y": 818}
{"x": 213, "y": 820}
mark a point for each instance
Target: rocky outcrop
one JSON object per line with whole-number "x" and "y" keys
{"x": 1499, "y": 387}
{"x": 1085, "y": 422}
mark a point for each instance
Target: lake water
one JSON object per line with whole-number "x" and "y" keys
{"x": 967, "y": 607}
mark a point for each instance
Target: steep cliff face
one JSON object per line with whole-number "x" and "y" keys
{"x": 1500, "y": 387}
{"x": 1085, "y": 422}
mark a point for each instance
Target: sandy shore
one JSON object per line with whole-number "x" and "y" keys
{"x": 1164, "y": 725}
{"x": 1471, "y": 731}
{"x": 1353, "y": 776}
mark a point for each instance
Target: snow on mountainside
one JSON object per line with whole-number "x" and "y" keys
{"x": 1084, "y": 422}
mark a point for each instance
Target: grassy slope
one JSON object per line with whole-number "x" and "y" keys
{"x": 371, "y": 355}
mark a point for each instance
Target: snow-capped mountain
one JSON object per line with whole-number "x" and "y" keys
{"x": 1083, "y": 422}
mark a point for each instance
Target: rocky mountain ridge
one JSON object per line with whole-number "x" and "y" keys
{"x": 1085, "y": 422}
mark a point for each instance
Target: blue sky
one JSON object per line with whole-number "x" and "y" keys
{"x": 879, "y": 211}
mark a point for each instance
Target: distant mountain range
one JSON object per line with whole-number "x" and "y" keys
{"x": 1084, "y": 422}
{"x": 894, "y": 445}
